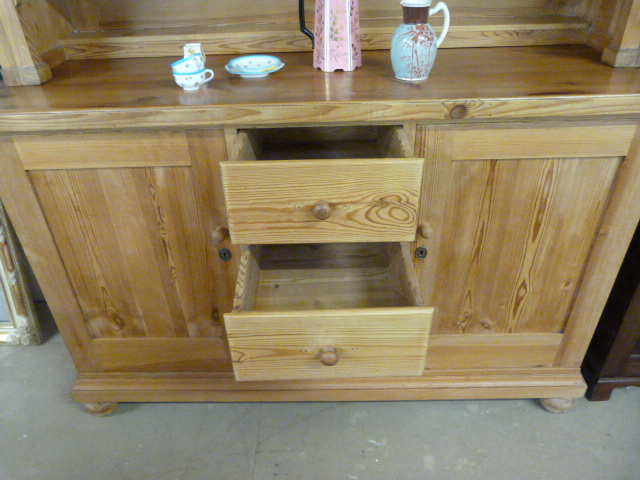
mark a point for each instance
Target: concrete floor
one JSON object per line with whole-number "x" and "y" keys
{"x": 45, "y": 434}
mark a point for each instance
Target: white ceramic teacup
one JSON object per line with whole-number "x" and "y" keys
{"x": 193, "y": 81}
{"x": 194, "y": 63}
{"x": 192, "y": 49}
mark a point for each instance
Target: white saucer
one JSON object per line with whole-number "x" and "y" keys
{"x": 254, "y": 66}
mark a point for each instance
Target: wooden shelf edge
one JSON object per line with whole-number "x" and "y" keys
{"x": 319, "y": 113}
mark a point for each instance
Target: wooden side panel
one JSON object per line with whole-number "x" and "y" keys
{"x": 371, "y": 200}
{"x": 135, "y": 249}
{"x": 287, "y": 345}
{"x": 103, "y": 150}
{"x": 248, "y": 278}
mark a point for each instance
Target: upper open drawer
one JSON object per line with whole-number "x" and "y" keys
{"x": 317, "y": 185}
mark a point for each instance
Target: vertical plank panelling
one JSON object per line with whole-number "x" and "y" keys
{"x": 31, "y": 226}
{"x": 208, "y": 148}
{"x": 619, "y": 223}
{"x": 187, "y": 255}
{"x": 508, "y": 239}
{"x": 76, "y": 207}
{"x": 462, "y": 241}
{"x": 575, "y": 208}
{"x": 482, "y": 230}
{"x": 135, "y": 239}
{"x": 516, "y": 237}
{"x": 434, "y": 143}
{"x": 140, "y": 250}
{"x": 130, "y": 196}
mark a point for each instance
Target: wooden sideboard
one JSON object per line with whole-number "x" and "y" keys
{"x": 613, "y": 358}
{"x": 312, "y": 236}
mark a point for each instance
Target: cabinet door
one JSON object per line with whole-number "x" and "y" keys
{"x": 133, "y": 217}
{"x": 511, "y": 215}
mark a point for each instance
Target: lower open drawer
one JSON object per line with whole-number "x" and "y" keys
{"x": 327, "y": 311}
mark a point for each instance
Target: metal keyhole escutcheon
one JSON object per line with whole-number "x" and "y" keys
{"x": 225, "y": 254}
{"x": 421, "y": 253}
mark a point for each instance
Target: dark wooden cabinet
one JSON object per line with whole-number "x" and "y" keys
{"x": 613, "y": 358}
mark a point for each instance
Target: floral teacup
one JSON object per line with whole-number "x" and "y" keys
{"x": 192, "y": 49}
{"x": 193, "y": 80}
{"x": 192, "y": 64}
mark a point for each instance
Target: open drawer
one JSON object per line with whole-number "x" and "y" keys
{"x": 327, "y": 311}
{"x": 313, "y": 185}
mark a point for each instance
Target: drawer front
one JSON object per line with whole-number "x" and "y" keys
{"x": 315, "y": 201}
{"x": 378, "y": 342}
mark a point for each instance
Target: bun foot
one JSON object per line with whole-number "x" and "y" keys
{"x": 557, "y": 405}
{"x": 101, "y": 409}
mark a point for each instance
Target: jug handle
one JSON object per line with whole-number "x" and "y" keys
{"x": 445, "y": 26}
{"x": 303, "y": 25}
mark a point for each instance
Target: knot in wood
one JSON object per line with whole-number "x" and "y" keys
{"x": 458, "y": 112}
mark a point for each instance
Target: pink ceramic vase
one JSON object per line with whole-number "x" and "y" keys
{"x": 337, "y": 35}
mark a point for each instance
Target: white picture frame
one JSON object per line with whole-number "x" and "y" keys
{"x": 18, "y": 322}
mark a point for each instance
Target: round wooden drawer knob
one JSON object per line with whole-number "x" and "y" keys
{"x": 425, "y": 230}
{"x": 219, "y": 234}
{"x": 329, "y": 356}
{"x": 322, "y": 210}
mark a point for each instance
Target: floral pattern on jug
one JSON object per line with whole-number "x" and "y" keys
{"x": 416, "y": 52}
{"x": 415, "y": 43}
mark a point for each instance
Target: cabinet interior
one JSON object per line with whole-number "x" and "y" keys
{"x": 323, "y": 143}
{"x": 326, "y": 276}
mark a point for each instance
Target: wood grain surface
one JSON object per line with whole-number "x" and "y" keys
{"x": 162, "y": 354}
{"x": 516, "y": 143}
{"x": 516, "y": 83}
{"x": 436, "y": 385}
{"x": 616, "y": 231}
{"x": 517, "y": 350}
{"x": 22, "y": 203}
{"x": 282, "y": 34}
{"x": 100, "y": 150}
{"x": 291, "y": 301}
{"x": 286, "y": 345}
{"x": 512, "y": 237}
{"x": 137, "y": 246}
{"x": 371, "y": 200}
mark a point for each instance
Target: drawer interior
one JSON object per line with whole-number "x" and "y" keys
{"x": 326, "y": 276}
{"x": 327, "y": 311}
{"x": 322, "y": 143}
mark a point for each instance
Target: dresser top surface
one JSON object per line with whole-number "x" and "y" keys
{"x": 470, "y": 84}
